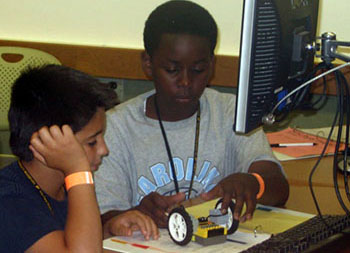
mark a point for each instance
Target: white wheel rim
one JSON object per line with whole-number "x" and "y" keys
{"x": 230, "y": 216}
{"x": 177, "y": 227}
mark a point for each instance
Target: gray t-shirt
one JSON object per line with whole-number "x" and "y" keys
{"x": 138, "y": 163}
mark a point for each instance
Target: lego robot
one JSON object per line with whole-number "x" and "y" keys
{"x": 213, "y": 229}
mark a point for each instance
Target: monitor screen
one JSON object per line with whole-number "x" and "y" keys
{"x": 276, "y": 56}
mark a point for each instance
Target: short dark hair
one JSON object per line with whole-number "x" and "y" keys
{"x": 179, "y": 17}
{"x": 53, "y": 95}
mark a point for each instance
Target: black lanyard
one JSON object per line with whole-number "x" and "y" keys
{"x": 35, "y": 184}
{"x": 195, "y": 152}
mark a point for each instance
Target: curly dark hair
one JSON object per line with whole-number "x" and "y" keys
{"x": 179, "y": 17}
{"x": 53, "y": 95}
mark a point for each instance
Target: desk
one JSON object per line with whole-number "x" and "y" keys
{"x": 300, "y": 198}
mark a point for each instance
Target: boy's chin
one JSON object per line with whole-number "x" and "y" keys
{"x": 94, "y": 167}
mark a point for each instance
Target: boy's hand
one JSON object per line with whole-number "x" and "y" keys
{"x": 243, "y": 187}
{"x": 157, "y": 206}
{"x": 126, "y": 223}
{"x": 59, "y": 149}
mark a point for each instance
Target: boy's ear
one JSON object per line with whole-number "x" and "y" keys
{"x": 146, "y": 64}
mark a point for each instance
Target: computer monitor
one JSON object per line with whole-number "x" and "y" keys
{"x": 276, "y": 56}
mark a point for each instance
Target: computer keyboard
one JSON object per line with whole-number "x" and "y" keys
{"x": 304, "y": 236}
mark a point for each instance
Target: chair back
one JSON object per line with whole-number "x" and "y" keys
{"x": 12, "y": 61}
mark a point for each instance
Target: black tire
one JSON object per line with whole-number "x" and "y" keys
{"x": 232, "y": 224}
{"x": 180, "y": 226}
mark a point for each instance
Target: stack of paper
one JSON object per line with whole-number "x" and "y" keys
{"x": 290, "y": 135}
{"x": 266, "y": 221}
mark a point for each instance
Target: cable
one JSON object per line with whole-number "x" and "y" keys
{"x": 323, "y": 98}
{"x": 345, "y": 158}
{"x": 318, "y": 161}
{"x": 298, "y": 101}
{"x": 340, "y": 94}
{"x": 270, "y": 116}
{"x": 335, "y": 160}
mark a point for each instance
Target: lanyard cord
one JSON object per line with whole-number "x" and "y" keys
{"x": 195, "y": 152}
{"x": 35, "y": 184}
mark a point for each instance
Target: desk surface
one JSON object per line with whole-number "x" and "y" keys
{"x": 300, "y": 198}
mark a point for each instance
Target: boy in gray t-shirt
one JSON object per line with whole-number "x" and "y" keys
{"x": 183, "y": 128}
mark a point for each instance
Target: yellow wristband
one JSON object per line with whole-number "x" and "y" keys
{"x": 261, "y": 185}
{"x": 82, "y": 177}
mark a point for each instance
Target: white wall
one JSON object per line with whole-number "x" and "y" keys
{"x": 119, "y": 23}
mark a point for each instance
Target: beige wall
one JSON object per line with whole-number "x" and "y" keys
{"x": 119, "y": 23}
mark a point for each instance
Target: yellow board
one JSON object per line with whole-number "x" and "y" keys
{"x": 268, "y": 220}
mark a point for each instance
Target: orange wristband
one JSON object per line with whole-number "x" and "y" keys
{"x": 261, "y": 185}
{"x": 82, "y": 177}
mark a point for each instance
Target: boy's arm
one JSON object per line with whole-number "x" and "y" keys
{"x": 58, "y": 149}
{"x": 158, "y": 206}
{"x": 276, "y": 185}
{"x": 153, "y": 205}
{"x": 126, "y": 222}
{"x": 243, "y": 187}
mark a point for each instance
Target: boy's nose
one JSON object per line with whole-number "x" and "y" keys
{"x": 185, "y": 80}
{"x": 103, "y": 149}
